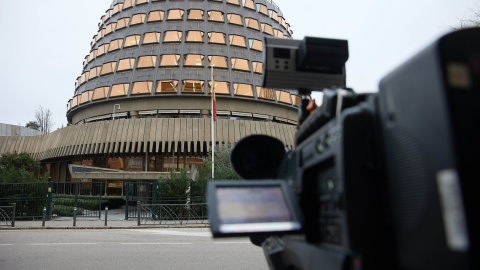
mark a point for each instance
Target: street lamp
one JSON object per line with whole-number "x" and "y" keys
{"x": 114, "y": 106}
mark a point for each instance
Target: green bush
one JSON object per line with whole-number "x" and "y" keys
{"x": 66, "y": 210}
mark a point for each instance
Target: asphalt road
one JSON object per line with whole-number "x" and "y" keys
{"x": 126, "y": 249}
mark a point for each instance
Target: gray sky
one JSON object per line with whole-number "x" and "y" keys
{"x": 44, "y": 42}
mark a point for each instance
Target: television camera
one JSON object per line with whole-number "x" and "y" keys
{"x": 376, "y": 181}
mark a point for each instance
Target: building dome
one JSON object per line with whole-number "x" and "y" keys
{"x": 143, "y": 101}
{"x": 153, "y": 59}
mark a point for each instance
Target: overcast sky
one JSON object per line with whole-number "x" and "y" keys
{"x": 43, "y": 43}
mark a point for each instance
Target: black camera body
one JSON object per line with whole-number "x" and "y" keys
{"x": 383, "y": 180}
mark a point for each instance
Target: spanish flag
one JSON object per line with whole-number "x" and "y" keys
{"x": 214, "y": 101}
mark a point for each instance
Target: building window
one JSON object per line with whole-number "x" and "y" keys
{"x": 234, "y": 2}
{"x": 115, "y": 45}
{"x": 138, "y": 19}
{"x": 273, "y": 15}
{"x": 170, "y": 60}
{"x": 108, "y": 68}
{"x": 119, "y": 90}
{"x": 193, "y": 60}
{"x": 151, "y": 38}
{"x": 235, "y": 19}
{"x": 296, "y": 100}
{"x": 126, "y": 64}
{"x": 127, "y": 4}
{"x": 122, "y": 23}
{"x": 215, "y": 16}
{"x": 82, "y": 79}
{"x": 74, "y": 102}
{"x": 100, "y": 92}
{"x": 147, "y": 61}
{"x": 195, "y": 15}
{"x": 175, "y": 14}
{"x": 252, "y": 24}
{"x": 282, "y": 22}
{"x": 266, "y": 93}
{"x": 267, "y": 29}
{"x": 238, "y": 41}
{"x": 142, "y": 87}
{"x": 283, "y": 96}
{"x": 109, "y": 28}
{"x": 242, "y": 89}
{"x": 256, "y": 44}
{"x": 262, "y": 9}
{"x": 240, "y": 64}
{"x": 192, "y": 86}
{"x": 172, "y": 36}
{"x": 131, "y": 41}
{"x": 92, "y": 55}
{"x": 85, "y": 97}
{"x": 102, "y": 49}
{"x": 218, "y": 61}
{"x": 249, "y": 4}
{"x": 257, "y": 67}
{"x": 220, "y": 87}
{"x": 94, "y": 72}
{"x": 217, "y": 38}
{"x": 139, "y": 2}
{"x": 167, "y": 86}
{"x": 195, "y": 36}
{"x": 278, "y": 33}
{"x": 117, "y": 8}
{"x": 155, "y": 16}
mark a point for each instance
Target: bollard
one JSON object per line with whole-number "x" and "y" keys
{"x": 14, "y": 209}
{"x": 44, "y": 216}
{"x": 139, "y": 211}
{"x": 106, "y": 215}
{"x": 74, "y": 216}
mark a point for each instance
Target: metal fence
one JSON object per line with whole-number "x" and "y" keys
{"x": 172, "y": 214}
{"x": 30, "y": 198}
{"x": 145, "y": 192}
{"x": 85, "y": 196}
{"x": 7, "y": 215}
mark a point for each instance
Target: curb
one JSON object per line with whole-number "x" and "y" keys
{"x": 103, "y": 227}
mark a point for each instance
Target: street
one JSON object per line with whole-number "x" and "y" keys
{"x": 177, "y": 248}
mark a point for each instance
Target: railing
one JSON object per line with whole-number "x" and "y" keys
{"x": 7, "y": 215}
{"x": 172, "y": 214}
{"x": 30, "y": 198}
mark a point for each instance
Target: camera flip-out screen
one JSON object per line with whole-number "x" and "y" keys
{"x": 252, "y": 207}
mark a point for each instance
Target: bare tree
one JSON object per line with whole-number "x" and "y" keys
{"x": 43, "y": 118}
{"x": 472, "y": 21}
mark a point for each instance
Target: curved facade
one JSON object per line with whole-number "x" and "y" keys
{"x": 149, "y": 56}
{"x": 143, "y": 100}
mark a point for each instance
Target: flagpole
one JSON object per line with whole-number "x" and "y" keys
{"x": 213, "y": 128}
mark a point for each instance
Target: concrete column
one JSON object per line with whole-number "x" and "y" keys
{"x": 205, "y": 114}
{"x": 134, "y": 114}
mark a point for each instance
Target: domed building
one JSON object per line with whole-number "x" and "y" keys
{"x": 143, "y": 101}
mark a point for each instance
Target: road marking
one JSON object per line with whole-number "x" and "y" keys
{"x": 1, "y": 245}
{"x": 177, "y": 233}
{"x": 159, "y": 243}
{"x": 233, "y": 242}
{"x": 59, "y": 244}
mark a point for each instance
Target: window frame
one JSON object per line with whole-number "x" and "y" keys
{"x": 152, "y": 63}
{"x": 210, "y": 13}
{"x": 131, "y": 64}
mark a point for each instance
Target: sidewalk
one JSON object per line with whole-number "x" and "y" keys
{"x": 115, "y": 221}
